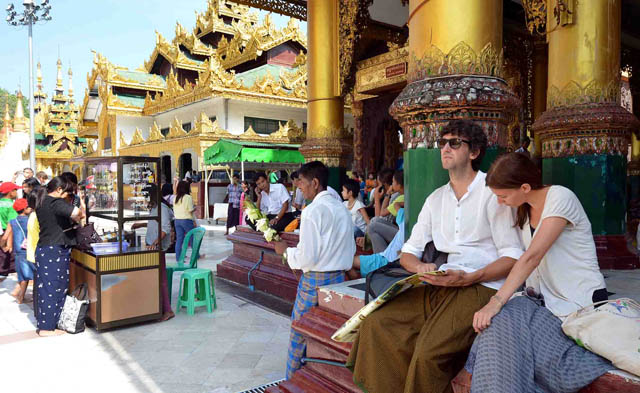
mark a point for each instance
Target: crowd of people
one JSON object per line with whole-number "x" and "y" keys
{"x": 495, "y": 310}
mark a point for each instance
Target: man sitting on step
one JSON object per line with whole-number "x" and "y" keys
{"x": 420, "y": 339}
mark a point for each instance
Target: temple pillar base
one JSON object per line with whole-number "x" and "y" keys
{"x": 426, "y": 105}
{"x": 333, "y": 152}
{"x": 584, "y": 148}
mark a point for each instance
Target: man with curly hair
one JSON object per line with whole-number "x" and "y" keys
{"x": 421, "y": 338}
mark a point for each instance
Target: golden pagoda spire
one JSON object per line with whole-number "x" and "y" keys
{"x": 20, "y": 123}
{"x": 70, "y": 85}
{"x": 19, "y": 112}
{"x": 59, "y": 88}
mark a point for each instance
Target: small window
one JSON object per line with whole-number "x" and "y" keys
{"x": 304, "y": 127}
{"x": 107, "y": 143}
{"x": 186, "y": 126}
{"x": 164, "y": 131}
{"x": 213, "y": 119}
{"x": 262, "y": 126}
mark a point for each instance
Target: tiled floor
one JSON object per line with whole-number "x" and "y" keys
{"x": 239, "y": 346}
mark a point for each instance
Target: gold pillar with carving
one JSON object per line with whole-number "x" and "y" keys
{"x": 455, "y": 72}
{"x": 585, "y": 132}
{"x": 325, "y": 109}
{"x": 357, "y": 109}
{"x": 540, "y": 77}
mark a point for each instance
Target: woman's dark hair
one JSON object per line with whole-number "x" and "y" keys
{"x": 182, "y": 190}
{"x": 54, "y": 184}
{"x": 472, "y": 132}
{"x": 511, "y": 171}
{"x": 398, "y": 176}
{"x": 352, "y": 186}
{"x": 167, "y": 189}
{"x": 386, "y": 176}
{"x": 315, "y": 170}
{"x": 32, "y": 183}
{"x": 32, "y": 198}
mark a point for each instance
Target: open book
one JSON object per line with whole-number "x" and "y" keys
{"x": 349, "y": 330}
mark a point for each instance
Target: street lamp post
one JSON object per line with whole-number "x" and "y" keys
{"x": 32, "y": 14}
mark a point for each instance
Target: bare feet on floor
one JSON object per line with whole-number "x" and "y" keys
{"x": 50, "y": 333}
{"x": 167, "y": 316}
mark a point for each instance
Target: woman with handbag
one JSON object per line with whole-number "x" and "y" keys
{"x": 522, "y": 347}
{"x": 183, "y": 211}
{"x": 57, "y": 219}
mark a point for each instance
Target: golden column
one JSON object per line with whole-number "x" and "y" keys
{"x": 325, "y": 106}
{"x": 585, "y": 132}
{"x": 455, "y": 69}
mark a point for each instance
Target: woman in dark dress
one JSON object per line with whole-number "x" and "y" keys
{"x": 57, "y": 219}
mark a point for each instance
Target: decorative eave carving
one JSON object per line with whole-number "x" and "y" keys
{"x": 154, "y": 133}
{"x": 288, "y": 131}
{"x": 211, "y": 21}
{"x": 250, "y": 134}
{"x": 123, "y": 142}
{"x": 176, "y": 130}
{"x": 137, "y": 137}
{"x": 250, "y": 41}
{"x": 191, "y": 42}
{"x": 204, "y": 126}
{"x": 172, "y": 53}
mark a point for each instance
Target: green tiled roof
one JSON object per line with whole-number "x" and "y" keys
{"x": 40, "y": 137}
{"x": 141, "y": 77}
{"x": 42, "y": 147}
{"x": 249, "y": 78}
{"x": 131, "y": 100}
{"x": 82, "y": 140}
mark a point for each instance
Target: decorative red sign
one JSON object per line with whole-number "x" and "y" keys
{"x": 395, "y": 70}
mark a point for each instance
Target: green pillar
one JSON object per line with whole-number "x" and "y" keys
{"x": 423, "y": 174}
{"x": 599, "y": 181}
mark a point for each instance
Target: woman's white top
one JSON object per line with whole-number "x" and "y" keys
{"x": 569, "y": 273}
{"x": 356, "y": 216}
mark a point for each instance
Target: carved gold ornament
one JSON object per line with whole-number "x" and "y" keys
{"x": 461, "y": 60}
{"x": 536, "y": 15}
{"x": 176, "y": 130}
{"x": 137, "y": 137}
{"x": 123, "y": 142}
{"x": 575, "y": 93}
{"x": 154, "y": 133}
{"x": 353, "y": 16}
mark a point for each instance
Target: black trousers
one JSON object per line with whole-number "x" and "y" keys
{"x": 233, "y": 216}
{"x": 7, "y": 263}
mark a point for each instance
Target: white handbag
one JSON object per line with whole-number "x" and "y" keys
{"x": 612, "y": 331}
{"x": 74, "y": 311}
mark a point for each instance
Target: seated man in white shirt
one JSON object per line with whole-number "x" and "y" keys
{"x": 325, "y": 250}
{"x": 420, "y": 340}
{"x": 298, "y": 198}
{"x": 274, "y": 201}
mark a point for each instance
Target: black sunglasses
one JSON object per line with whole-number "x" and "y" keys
{"x": 454, "y": 143}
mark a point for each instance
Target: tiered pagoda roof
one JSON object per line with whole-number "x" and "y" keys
{"x": 229, "y": 54}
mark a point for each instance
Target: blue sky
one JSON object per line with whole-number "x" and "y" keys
{"x": 122, "y": 30}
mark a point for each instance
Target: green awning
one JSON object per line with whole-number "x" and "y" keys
{"x": 226, "y": 151}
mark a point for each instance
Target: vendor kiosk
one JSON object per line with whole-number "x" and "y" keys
{"x": 122, "y": 276}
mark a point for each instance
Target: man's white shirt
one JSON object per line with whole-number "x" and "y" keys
{"x": 272, "y": 202}
{"x": 326, "y": 237}
{"x": 474, "y": 231}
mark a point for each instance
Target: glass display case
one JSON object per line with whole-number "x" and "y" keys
{"x": 117, "y": 190}
{"x": 122, "y": 274}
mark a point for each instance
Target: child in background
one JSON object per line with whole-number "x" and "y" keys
{"x": 359, "y": 216}
{"x": 19, "y": 230}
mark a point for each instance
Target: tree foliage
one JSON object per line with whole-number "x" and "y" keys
{"x": 12, "y": 104}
